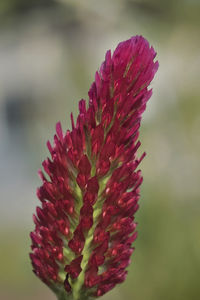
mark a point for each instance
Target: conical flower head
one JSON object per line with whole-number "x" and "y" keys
{"x": 85, "y": 227}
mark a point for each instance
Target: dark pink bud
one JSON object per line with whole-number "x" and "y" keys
{"x": 66, "y": 284}
{"x": 84, "y": 165}
{"x": 93, "y": 185}
{"x": 74, "y": 268}
{"x": 97, "y": 139}
{"x": 77, "y": 242}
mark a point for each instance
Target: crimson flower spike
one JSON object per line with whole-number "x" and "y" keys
{"x": 85, "y": 226}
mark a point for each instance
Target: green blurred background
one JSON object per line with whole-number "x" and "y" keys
{"x": 49, "y": 52}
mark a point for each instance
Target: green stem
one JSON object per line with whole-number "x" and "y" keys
{"x": 77, "y": 286}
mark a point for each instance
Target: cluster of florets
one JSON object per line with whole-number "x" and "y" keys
{"x": 85, "y": 226}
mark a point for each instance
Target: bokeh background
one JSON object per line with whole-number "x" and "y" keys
{"x": 49, "y": 52}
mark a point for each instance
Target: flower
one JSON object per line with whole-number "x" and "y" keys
{"x": 85, "y": 227}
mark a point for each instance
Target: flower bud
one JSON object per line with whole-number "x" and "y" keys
{"x": 85, "y": 227}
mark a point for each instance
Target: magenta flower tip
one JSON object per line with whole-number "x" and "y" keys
{"x": 85, "y": 227}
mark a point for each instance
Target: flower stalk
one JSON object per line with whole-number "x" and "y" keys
{"x": 85, "y": 226}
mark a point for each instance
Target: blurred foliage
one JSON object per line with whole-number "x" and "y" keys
{"x": 49, "y": 51}
{"x": 168, "y": 11}
{"x": 23, "y": 6}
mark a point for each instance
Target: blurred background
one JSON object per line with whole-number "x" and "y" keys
{"x": 49, "y": 52}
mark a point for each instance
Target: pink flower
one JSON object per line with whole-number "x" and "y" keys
{"x": 85, "y": 227}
